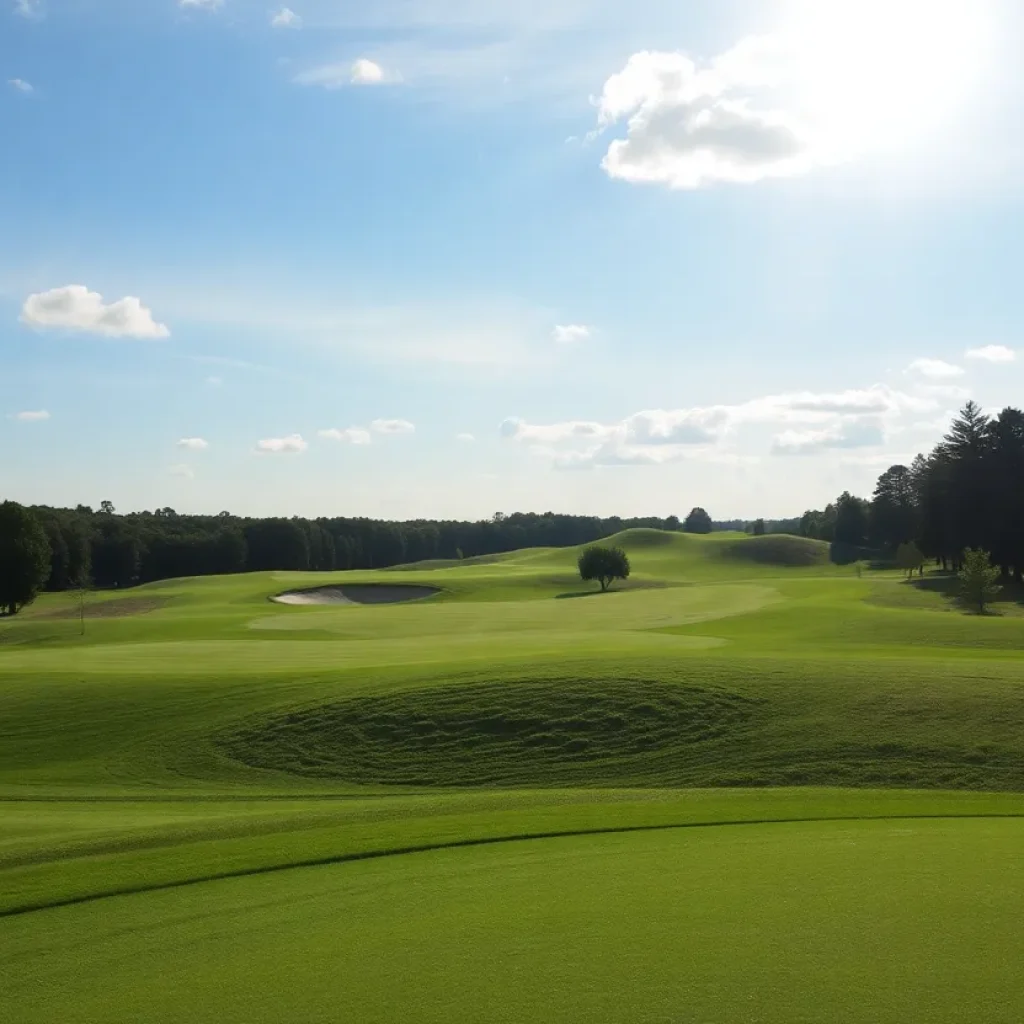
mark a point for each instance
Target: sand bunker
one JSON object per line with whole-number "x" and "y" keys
{"x": 356, "y": 593}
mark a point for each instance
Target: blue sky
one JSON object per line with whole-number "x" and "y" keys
{"x": 442, "y": 258}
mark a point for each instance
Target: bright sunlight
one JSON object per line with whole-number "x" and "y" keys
{"x": 876, "y": 72}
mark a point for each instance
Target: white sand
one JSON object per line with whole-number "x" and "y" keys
{"x": 355, "y": 593}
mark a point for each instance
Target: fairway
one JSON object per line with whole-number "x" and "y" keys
{"x": 747, "y": 784}
{"x": 878, "y": 921}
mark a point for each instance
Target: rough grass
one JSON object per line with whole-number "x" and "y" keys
{"x": 514, "y": 733}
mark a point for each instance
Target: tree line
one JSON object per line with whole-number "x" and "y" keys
{"x": 102, "y": 548}
{"x": 967, "y": 494}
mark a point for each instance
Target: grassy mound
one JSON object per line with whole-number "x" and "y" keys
{"x": 641, "y": 540}
{"x": 781, "y": 550}
{"x": 550, "y": 733}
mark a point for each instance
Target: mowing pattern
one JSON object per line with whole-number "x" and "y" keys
{"x": 549, "y": 733}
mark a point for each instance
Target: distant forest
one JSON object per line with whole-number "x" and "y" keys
{"x": 968, "y": 493}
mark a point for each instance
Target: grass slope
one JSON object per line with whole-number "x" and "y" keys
{"x": 200, "y": 741}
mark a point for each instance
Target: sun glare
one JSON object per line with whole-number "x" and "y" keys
{"x": 875, "y": 72}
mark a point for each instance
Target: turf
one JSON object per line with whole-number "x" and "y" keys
{"x": 163, "y": 777}
{"x": 881, "y": 921}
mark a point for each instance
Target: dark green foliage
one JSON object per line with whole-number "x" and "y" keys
{"x": 698, "y": 521}
{"x": 910, "y": 559}
{"x": 277, "y": 544}
{"x": 979, "y": 580}
{"x": 116, "y": 551}
{"x": 894, "y": 513}
{"x": 25, "y": 557}
{"x": 758, "y": 528}
{"x": 603, "y": 565}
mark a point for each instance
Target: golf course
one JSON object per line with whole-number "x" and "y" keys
{"x": 745, "y": 784}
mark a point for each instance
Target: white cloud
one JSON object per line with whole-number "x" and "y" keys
{"x": 76, "y": 308}
{"x": 809, "y": 421}
{"x": 935, "y": 369}
{"x": 293, "y": 444}
{"x": 29, "y": 8}
{"x": 194, "y": 444}
{"x": 568, "y": 334}
{"x": 20, "y": 85}
{"x": 687, "y": 126}
{"x": 465, "y": 438}
{"x": 682, "y": 426}
{"x": 552, "y": 433}
{"x": 30, "y": 416}
{"x": 182, "y": 470}
{"x": 350, "y": 435}
{"x": 214, "y": 382}
{"x": 392, "y": 427}
{"x": 366, "y": 72}
{"x": 992, "y": 354}
{"x": 843, "y": 435}
{"x": 206, "y": 5}
{"x": 359, "y": 72}
{"x": 285, "y": 18}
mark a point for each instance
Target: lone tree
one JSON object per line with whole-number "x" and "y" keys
{"x": 24, "y": 557}
{"x": 758, "y": 527}
{"x": 978, "y": 579}
{"x": 603, "y": 565}
{"x": 698, "y": 521}
{"x": 910, "y": 559}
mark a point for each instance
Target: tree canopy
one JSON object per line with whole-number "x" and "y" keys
{"x": 979, "y": 580}
{"x": 604, "y": 565}
{"x": 698, "y": 521}
{"x": 25, "y": 557}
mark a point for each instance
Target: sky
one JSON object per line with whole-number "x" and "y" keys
{"x": 444, "y": 258}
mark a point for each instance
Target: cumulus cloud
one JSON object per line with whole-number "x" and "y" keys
{"x": 285, "y": 18}
{"x": 551, "y": 433}
{"x": 807, "y": 422}
{"x": 689, "y": 125}
{"x": 465, "y": 438}
{"x": 992, "y": 354}
{"x": 350, "y": 435}
{"x": 183, "y": 470}
{"x": 682, "y": 426}
{"x": 393, "y": 427}
{"x": 935, "y": 369}
{"x": 293, "y": 444}
{"x": 206, "y": 5}
{"x": 843, "y": 435}
{"x": 194, "y": 444}
{"x": 75, "y": 308}
{"x": 29, "y": 8}
{"x": 20, "y": 85}
{"x": 569, "y": 334}
{"x": 336, "y": 76}
{"x": 30, "y": 416}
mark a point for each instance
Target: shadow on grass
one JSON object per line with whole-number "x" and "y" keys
{"x": 582, "y": 593}
{"x": 947, "y": 586}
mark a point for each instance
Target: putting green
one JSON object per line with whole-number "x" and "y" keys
{"x": 884, "y": 921}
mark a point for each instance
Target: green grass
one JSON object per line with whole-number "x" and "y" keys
{"x": 164, "y": 778}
